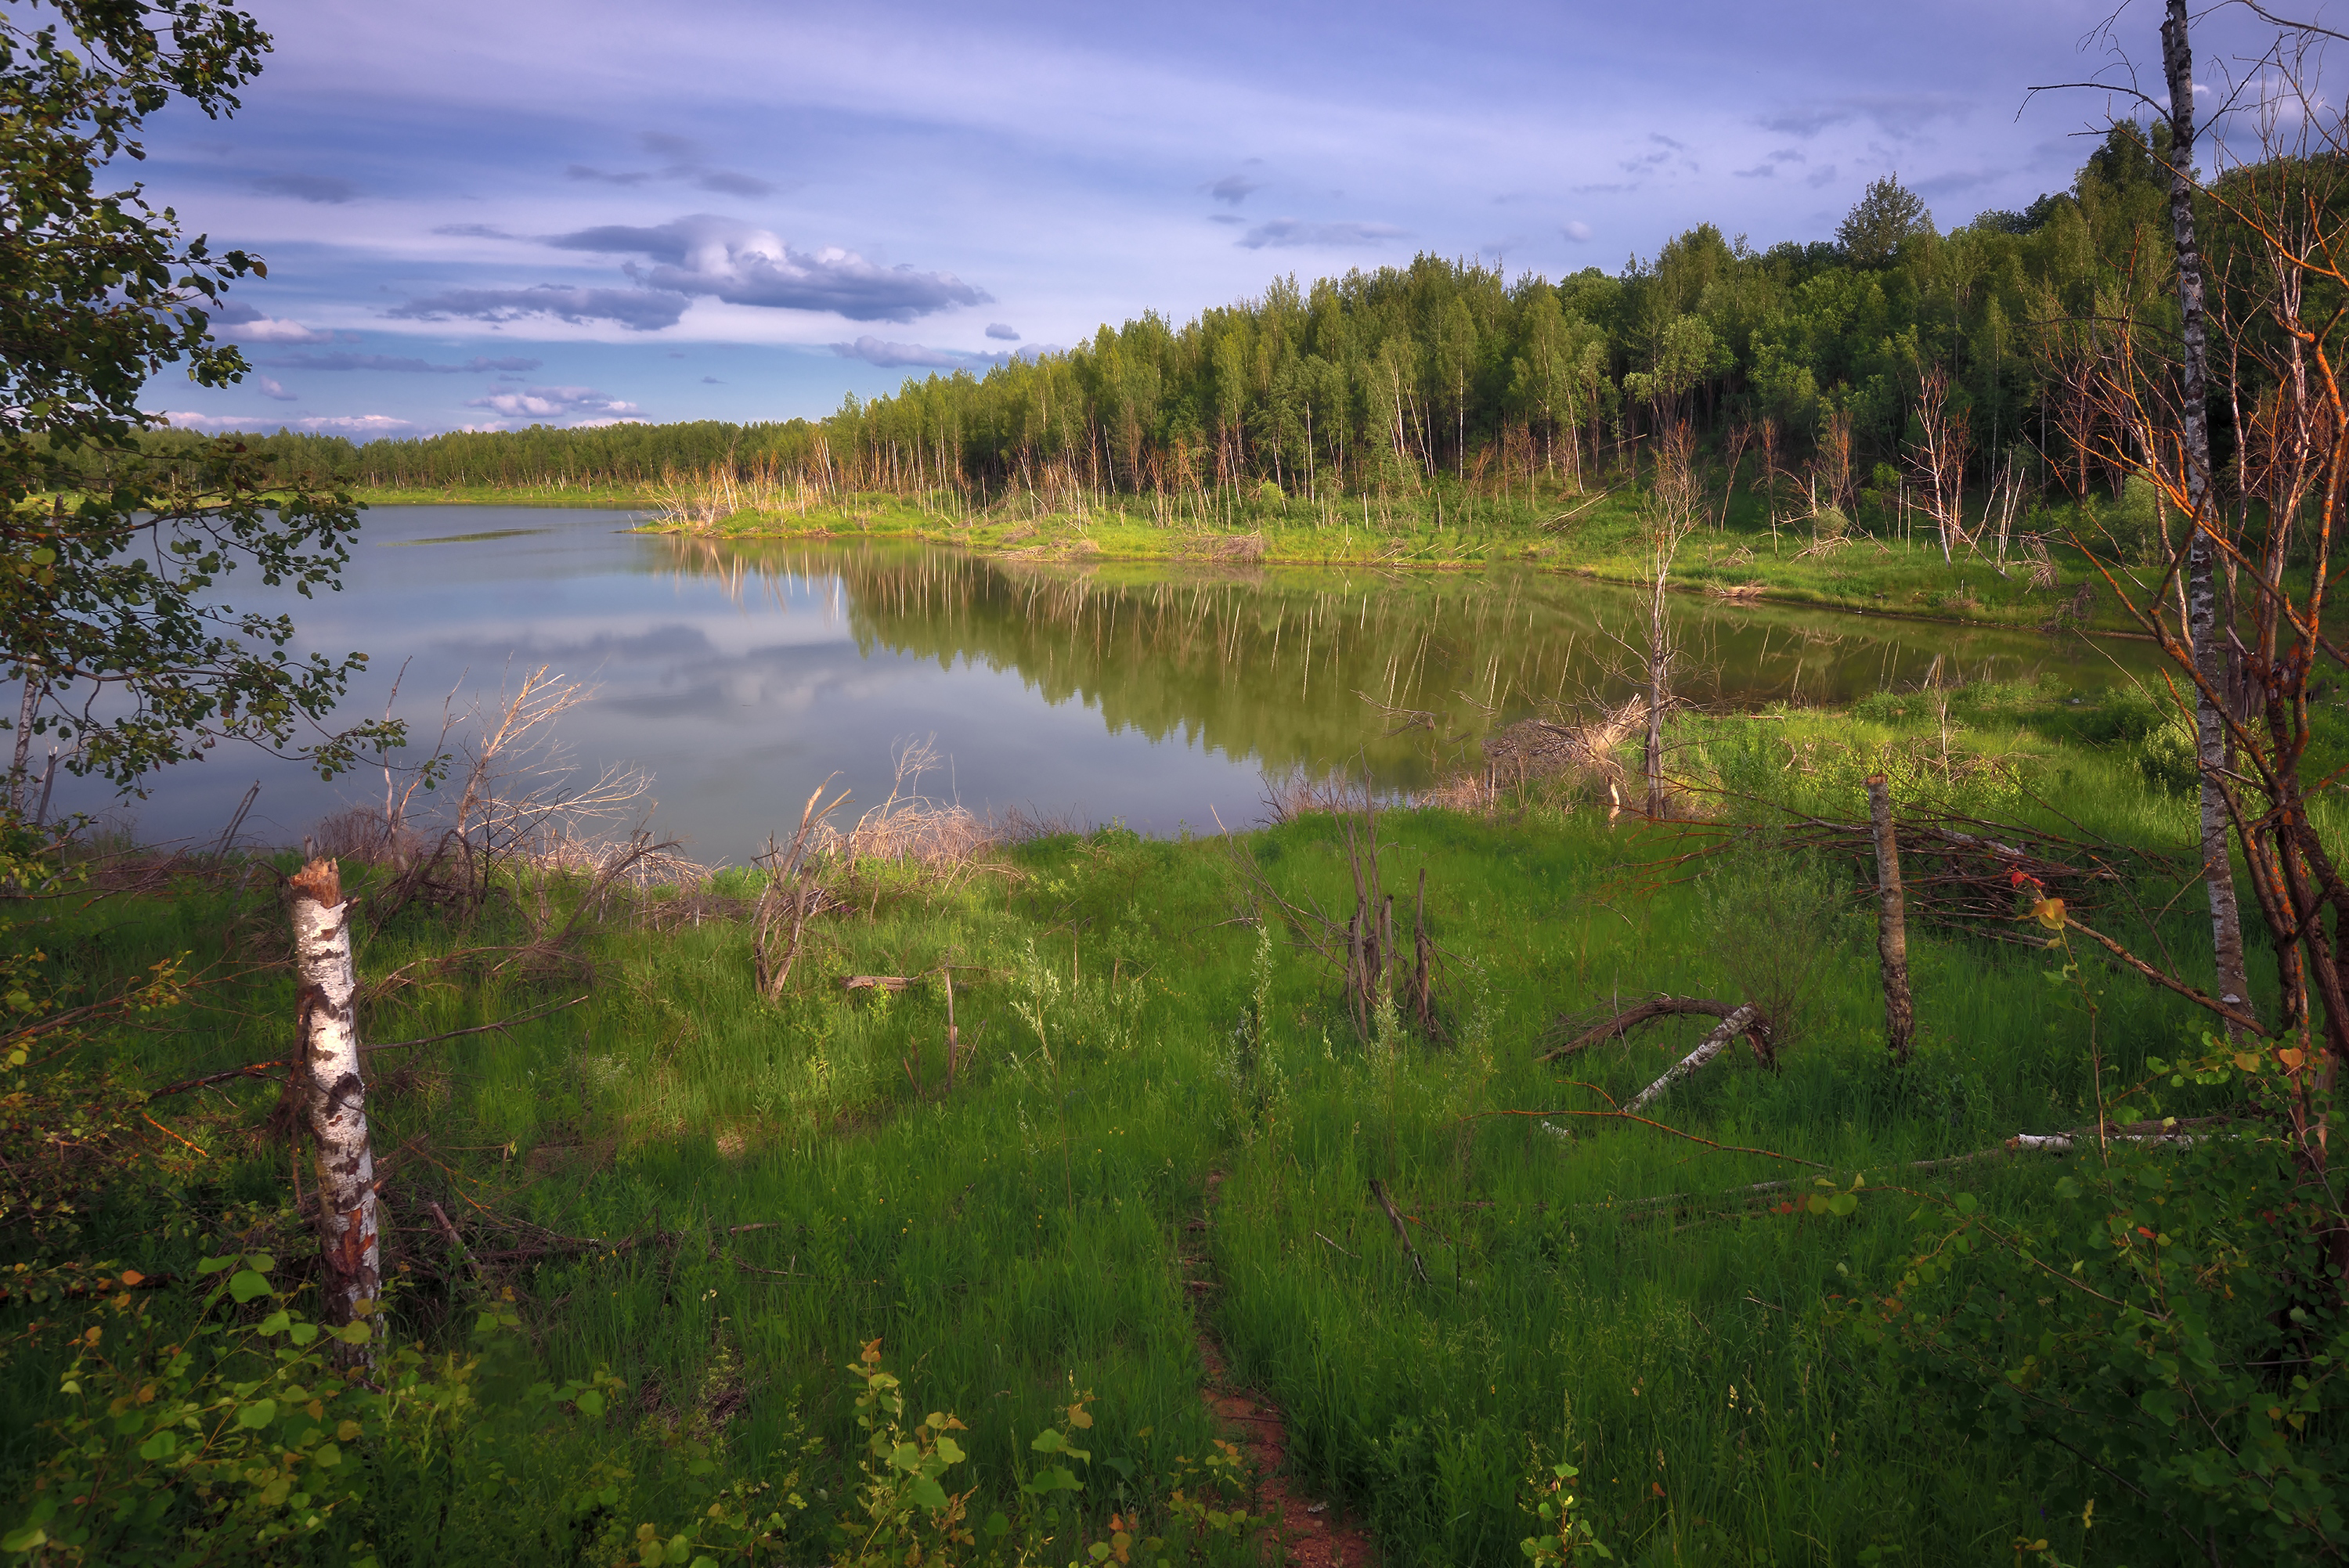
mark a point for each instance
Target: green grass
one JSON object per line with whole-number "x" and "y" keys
{"x": 1449, "y": 529}
{"x": 1020, "y": 1242}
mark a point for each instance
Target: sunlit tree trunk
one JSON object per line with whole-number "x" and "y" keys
{"x": 334, "y": 1094}
{"x": 2202, "y": 589}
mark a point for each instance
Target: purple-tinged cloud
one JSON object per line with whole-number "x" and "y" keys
{"x": 1234, "y": 189}
{"x": 552, "y": 403}
{"x": 1000, "y": 332}
{"x": 1285, "y": 231}
{"x": 607, "y": 177}
{"x": 896, "y": 356}
{"x": 272, "y": 388}
{"x": 686, "y": 163}
{"x": 1576, "y": 229}
{"x": 397, "y": 362}
{"x": 720, "y": 258}
{"x": 732, "y": 183}
{"x": 476, "y": 232}
{"x": 639, "y": 310}
{"x": 328, "y": 190}
{"x": 1901, "y": 115}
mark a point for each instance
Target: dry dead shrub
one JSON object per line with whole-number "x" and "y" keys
{"x": 361, "y": 834}
{"x": 1235, "y": 549}
{"x": 911, "y": 828}
{"x": 1541, "y": 749}
{"x": 1300, "y": 792}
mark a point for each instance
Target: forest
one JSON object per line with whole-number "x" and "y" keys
{"x": 1826, "y": 359}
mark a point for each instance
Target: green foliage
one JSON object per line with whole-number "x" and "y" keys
{"x": 1560, "y": 1534}
{"x": 2166, "y": 1315}
{"x": 111, "y": 584}
{"x": 1887, "y": 214}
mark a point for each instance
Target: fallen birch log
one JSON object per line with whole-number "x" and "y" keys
{"x": 1632, "y": 1017}
{"x": 1728, "y": 1029}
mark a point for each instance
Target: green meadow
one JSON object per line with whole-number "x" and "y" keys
{"x": 719, "y": 1200}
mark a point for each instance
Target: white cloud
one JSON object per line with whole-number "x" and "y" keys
{"x": 262, "y": 329}
{"x": 1576, "y": 229}
{"x": 269, "y": 387}
{"x": 356, "y": 424}
{"x": 705, "y": 254}
{"x": 553, "y": 403}
{"x": 215, "y": 423}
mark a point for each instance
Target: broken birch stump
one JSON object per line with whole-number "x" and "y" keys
{"x": 1712, "y": 1046}
{"x": 333, "y": 1097}
{"x": 1891, "y": 925}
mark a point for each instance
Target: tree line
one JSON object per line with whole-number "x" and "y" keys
{"x": 1895, "y": 349}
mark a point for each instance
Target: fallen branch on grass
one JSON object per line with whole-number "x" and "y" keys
{"x": 1712, "y": 1046}
{"x": 1629, "y": 1018}
{"x": 500, "y": 1027}
{"x": 250, "y": 1069}
{"x": 2173, "y": 1133}
{"x": 1394, "y": 1217}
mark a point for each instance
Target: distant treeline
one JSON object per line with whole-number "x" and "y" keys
{"x": 1385, "y": 380}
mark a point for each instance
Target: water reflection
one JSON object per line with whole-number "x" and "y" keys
{"x": 1311, "y": 667}
{"x": 741, "y": 675}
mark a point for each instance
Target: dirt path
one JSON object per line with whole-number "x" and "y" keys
{"x": 1318, "y": 1532}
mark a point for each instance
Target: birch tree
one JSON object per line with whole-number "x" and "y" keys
{"x": 332, "y": 1091}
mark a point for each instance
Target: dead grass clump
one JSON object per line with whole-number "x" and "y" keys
{"x": 911, "y": 828}
{"x": 1535, "y": 749}
{"x": 1233, "y": 549}
{"x": 362, "y": 834}
{"x": 1026, "y": 824}
{"x": 1301, "y": 792}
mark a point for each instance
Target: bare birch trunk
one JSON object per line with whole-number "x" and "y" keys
{"x": 1892, "y": 925}
{"x": 334, "y": 1095}
{"x": 2210, "y": 746}
{"x": 1659, "y": 677}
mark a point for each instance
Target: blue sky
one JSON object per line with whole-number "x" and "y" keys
{"x": 491, "y": 215}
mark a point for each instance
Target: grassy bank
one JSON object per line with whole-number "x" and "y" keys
{"x": 1601, "y": 536}
{"x": 1136, "y": 1016}
{"x": 619, "y": 498}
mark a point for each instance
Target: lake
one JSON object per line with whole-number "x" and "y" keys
{"x": 741, "y": 674}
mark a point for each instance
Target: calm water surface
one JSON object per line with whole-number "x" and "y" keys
{"x": 738, "y": 675}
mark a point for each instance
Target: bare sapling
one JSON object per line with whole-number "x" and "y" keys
{"x": 1673, "y": 503}
{"x": 1892, "y": 925}
{"x": 331, "y": 1092}
{"x": 1941, "y": 460}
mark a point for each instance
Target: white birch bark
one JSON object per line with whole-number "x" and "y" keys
{"x": 2201, "y": 590}
{"x": 334, "y": 1094}
{"x": 1711, "y": 1046}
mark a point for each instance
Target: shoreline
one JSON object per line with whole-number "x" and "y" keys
{"x": 1848, "y": 581}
